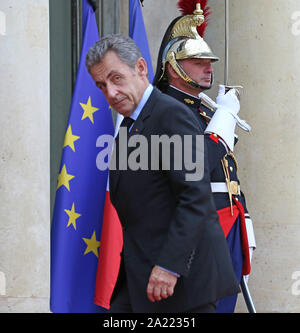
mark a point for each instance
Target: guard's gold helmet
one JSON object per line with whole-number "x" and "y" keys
{"x": 183, "y": 42}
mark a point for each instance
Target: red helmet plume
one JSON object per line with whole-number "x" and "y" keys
{"x": 187, "y": 7}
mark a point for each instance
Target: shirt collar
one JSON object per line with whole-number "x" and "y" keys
{"x": 142, "y": 103}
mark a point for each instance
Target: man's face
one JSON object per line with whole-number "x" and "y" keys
{"x": 200, "y": 70}
{"x": 122, "y": 86}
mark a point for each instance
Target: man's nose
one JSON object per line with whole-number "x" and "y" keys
{"x": 209, "y": 68}
{"x": 111, "y": 91}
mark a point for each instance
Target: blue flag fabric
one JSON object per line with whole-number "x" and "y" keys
{"x": 80, "y": 194}
{"x": 138, "y": 33}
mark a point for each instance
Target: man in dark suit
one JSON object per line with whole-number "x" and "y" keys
{"x": 175, "y": 257}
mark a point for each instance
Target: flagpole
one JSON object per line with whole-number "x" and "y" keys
{"x": 94, "y": 4}
{"x": 76, "y": 37}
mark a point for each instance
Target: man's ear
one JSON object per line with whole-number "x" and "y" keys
{"x": 141, "y": 67}
{"x": 171, "y": 73}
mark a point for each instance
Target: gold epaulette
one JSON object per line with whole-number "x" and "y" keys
{"x": 189, "y": 101}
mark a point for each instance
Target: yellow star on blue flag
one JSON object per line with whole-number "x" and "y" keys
{"x": 70, "y": 138}
{"x": 89, "y": 110}
{"x": 92, "y": 244}
{"x": 64, "y": 178}
{"x": 73, "y": 216}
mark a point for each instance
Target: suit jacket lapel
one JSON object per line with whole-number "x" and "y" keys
{"x": 137, "y": 128}
{"x": 139, "y": 125}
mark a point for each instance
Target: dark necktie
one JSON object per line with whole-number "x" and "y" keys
{"x": 113, "y": 174}
{"x": 127, "y": 122}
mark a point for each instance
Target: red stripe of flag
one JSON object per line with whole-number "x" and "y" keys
{"x": 110, "y": 255}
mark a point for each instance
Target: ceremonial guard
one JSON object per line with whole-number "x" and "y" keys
{"x": 184, "y": 71}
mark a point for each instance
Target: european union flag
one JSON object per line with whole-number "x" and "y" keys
{"x": 81, "y": 188}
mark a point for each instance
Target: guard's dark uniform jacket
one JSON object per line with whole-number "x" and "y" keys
{"x": 233, "y": 213}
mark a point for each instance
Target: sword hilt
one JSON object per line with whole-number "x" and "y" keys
{"x": 238, "y": 93}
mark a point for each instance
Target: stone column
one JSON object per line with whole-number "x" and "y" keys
{"x": 24, "y": 156}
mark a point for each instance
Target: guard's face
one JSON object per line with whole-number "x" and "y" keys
{"x": 200, "y": 70}
{"x": 122, "y": 86}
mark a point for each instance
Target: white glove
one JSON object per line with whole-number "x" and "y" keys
{"x": 229, "y": 101}
{"x": 225, "y": 118}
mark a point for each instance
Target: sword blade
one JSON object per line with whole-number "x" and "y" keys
{"x": 226, "y": 73}
{"x": 247, "y": 296}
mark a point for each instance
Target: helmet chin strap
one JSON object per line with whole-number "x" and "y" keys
{"x": 205, "y": 88}
{"x": 188, "y": 79}
{"x": 198, "y": 86}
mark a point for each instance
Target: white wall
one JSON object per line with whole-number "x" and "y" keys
{"x": 24, "y": 156}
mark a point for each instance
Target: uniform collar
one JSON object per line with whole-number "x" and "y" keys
{"x": 184, "y": 97}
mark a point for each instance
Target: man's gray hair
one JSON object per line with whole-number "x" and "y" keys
{"x": 123, "y": 46}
